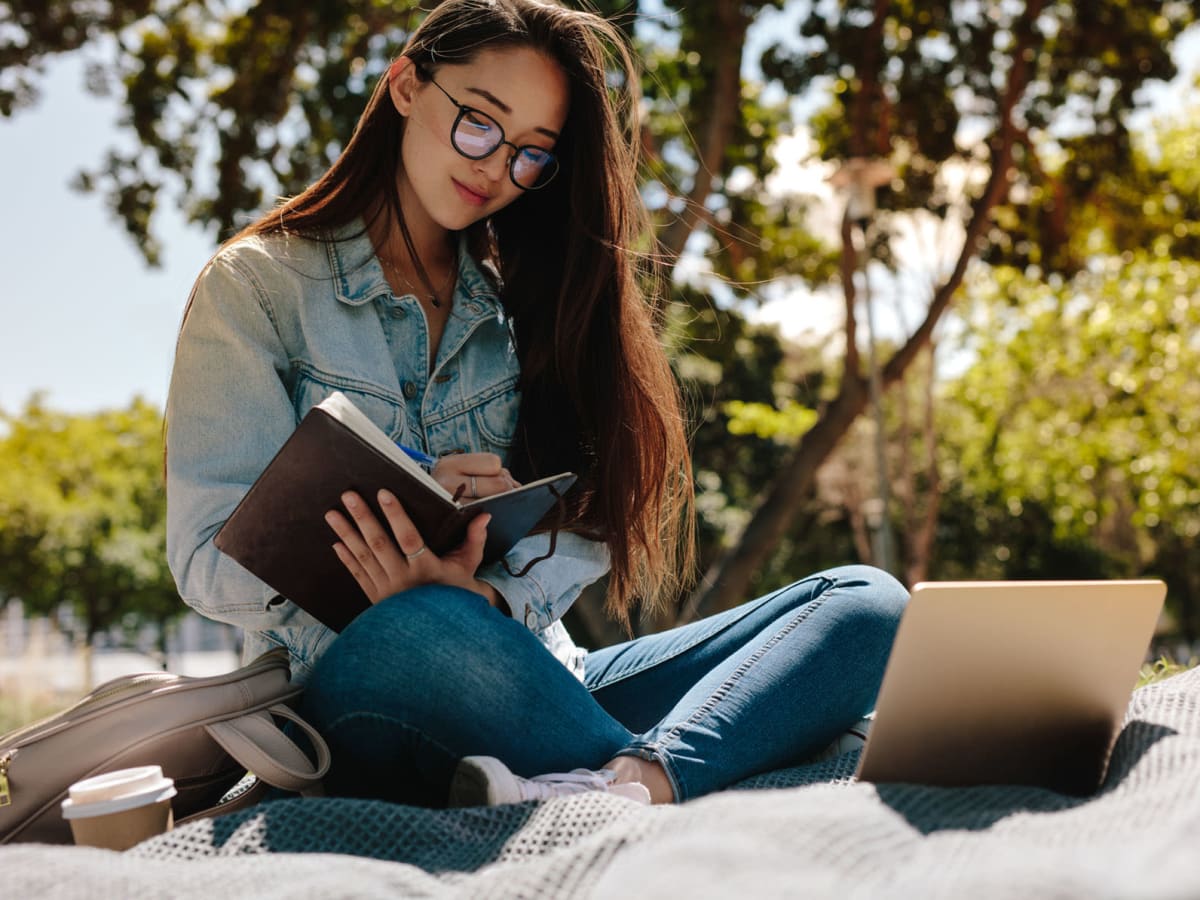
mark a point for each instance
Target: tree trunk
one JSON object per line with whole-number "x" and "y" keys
{"x": 727, "y": 582}
{"x": 921, "y": 529}
{"x": 858, "y": 519}
{"x": 722, "y": 119}
{"x": 163, "y": 635}
{"x": 87, "y": 673}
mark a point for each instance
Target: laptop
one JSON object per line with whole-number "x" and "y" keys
{"x": 1010, "y": 682}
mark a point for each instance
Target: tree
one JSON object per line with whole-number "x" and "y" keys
{"x": 270, "y": 98}
{"x": 84, "y": 513}
{"x": 910, "y": 81}
{"x": 911, "y": 442}
{"x": 747, "y": 400}
{"x": 1078, "y": 422}
{"x": 271, "y": 89}
{"x": 949, "y": 92}
{"x": 228, "y": 107}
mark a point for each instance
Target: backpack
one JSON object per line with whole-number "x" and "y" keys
{"x": 205, "y": 733}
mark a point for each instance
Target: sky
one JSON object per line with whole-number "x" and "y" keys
{"x": 83, "y": 320}
{"x": 81, "y": 316}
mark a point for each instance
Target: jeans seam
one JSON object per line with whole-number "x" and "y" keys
{"x": 699, "y": 639}
{"x": 722, "y": 690}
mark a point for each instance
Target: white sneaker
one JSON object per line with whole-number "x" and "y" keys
{"x": 485, "y": 781}
{"x": 853, "y": 738}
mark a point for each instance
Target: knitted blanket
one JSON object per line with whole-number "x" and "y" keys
{"x": 808, "y": 831}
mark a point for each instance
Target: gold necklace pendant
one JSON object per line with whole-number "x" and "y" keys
{"x": 429, "y": 294}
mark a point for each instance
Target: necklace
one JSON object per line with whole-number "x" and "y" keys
{"x": 430, "y": 294}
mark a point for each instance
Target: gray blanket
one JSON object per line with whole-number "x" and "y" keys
{"x": 809, "y": 831}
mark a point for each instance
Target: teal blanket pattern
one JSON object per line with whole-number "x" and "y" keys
{"x": 804, "y": 832}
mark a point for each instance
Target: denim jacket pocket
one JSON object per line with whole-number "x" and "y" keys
{"x": 313, "y": 385}
{"x": 496, "y": 419}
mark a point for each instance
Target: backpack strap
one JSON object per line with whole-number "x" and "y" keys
{"x": 260, "y": 745}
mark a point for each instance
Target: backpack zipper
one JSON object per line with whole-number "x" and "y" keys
{"x": 109, "y": 692}
{"x": 5, "y": 796}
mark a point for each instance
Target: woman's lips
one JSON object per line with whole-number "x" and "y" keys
{"x": 473, "y": 197}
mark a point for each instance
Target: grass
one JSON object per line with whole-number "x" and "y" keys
{"x": 21, "y": 710}
{"x": 1163, "y": 668}
{"x": 25, "y": 699}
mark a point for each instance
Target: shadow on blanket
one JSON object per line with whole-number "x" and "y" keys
{"x": 932, "y": 809}
{"x": 815, "y": 819}
{"x": 369, "y": 828}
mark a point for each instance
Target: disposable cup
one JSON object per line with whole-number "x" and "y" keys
{"x": 119, "y": 809}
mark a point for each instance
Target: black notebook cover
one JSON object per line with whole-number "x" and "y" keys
{"x": 278, "y": 530}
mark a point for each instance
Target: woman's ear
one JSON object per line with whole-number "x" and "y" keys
{"x": 402, "y": 84}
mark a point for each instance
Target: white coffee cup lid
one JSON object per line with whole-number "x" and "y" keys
{"x": 117, "y": 791}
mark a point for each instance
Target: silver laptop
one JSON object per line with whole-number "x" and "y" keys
{"x": 1010, "y": 682}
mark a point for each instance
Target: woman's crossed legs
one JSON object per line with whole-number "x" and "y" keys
{"x": 432, "y": 675}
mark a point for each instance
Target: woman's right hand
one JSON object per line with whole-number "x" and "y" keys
{"x": 478, "y": 474}
{"x": 386, "y": 563}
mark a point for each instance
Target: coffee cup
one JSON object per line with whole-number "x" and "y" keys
{"x": 119, "y": 809}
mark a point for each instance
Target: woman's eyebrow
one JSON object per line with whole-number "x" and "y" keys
{"x": 507, "y": 110}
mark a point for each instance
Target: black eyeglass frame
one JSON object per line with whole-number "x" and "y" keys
{"x": 464, "y": 110}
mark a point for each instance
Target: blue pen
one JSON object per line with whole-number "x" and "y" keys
{"x": 423, "y": 458}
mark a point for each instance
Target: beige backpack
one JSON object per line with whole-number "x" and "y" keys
{"x": 206, "y": 733}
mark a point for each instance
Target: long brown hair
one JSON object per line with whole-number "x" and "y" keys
{"x": 597, "y": 394}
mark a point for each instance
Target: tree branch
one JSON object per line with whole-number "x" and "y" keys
{"x": 848, "y": 264}
{"x": 722, "y": 118}
{"x": 728, "y": 580}
{"x": 868, "y": 79}
{"x": 993, "y": 193}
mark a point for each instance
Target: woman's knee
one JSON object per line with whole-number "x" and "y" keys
{"x": 875, "y": 600}
{"x": 874, "y": 586}
{"x": 400, "y": 643}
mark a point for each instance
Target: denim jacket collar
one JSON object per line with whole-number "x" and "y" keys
{"x": 358, "y": 278}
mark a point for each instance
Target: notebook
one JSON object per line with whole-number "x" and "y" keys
{"x": 278, "y": 530}
{"x": 1017, "y": 682}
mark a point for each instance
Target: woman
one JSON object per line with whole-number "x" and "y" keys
{"x": 466, "y": 273}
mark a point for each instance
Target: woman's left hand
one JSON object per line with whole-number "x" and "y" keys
{"x": 474, "y": 474}
{"x": 387, "y": 561}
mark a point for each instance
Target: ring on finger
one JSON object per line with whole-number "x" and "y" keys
{"x": 411, "y": 556}
{"x": 474, "y": 488}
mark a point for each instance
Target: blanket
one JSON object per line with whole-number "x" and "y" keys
{"x": 807, "y": 831}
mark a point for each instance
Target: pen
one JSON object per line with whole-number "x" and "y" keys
{"x": 423, "y": 458}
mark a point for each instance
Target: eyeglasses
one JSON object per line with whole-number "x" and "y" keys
{"x": 476, "y": 135}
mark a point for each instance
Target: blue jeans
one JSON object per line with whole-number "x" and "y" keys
{"x": 434, "y": 674}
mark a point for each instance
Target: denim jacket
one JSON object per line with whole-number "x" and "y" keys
{"x": 276, "y": 324}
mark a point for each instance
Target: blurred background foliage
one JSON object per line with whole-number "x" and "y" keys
{"x": 1039, "y": 406}
{"x": 84, "y": 513}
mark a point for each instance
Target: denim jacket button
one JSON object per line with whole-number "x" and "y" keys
{"x": 474, "y": 308}
{"x": 398, "y": 312}
{"x": 410, "y": 390}
{"x": 530, "y": 618}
